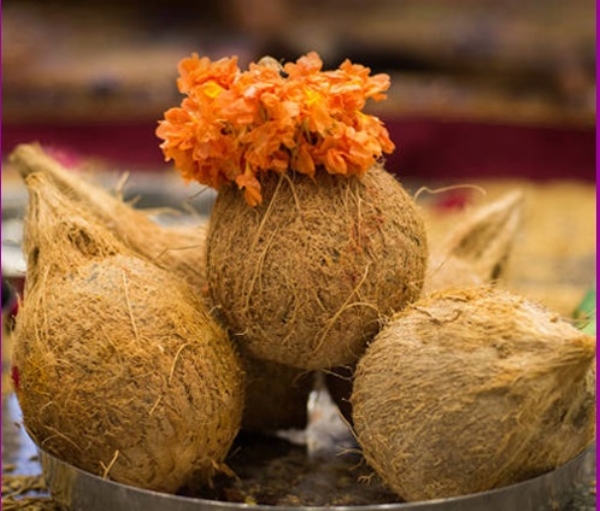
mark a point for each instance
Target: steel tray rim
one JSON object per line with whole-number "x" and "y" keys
{"x": 78, "y": 490}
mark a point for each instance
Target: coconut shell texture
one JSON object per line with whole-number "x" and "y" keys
{"x": 180, "y": 250}
{"x": 305, "y": 278}
{"x": 117, "y": 367}
{"x": 465, "y": 391}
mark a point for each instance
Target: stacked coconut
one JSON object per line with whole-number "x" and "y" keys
{"x": 141, "y": 350}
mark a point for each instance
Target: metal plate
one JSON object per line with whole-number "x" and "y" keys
{"x": 80, "y": 491}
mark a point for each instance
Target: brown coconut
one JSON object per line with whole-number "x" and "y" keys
{"x": 305, "y": 278}
{"x": 180, "y": 249}
{"x": 465, "y": 391}
{"x": 118, "y": 368}
{"x": 474, "y": 252}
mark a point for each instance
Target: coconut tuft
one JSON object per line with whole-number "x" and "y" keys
{"x": 476, "y": 251}
{"x": 305, "y": 278}
{"x": 465, "y": 391}
{"x": 118, "y": 368}
{"x": 177, "y": 249}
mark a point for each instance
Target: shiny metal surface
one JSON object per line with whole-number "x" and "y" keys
{"x": 80, "y": 491}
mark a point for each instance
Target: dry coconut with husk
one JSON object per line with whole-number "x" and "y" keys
{"x": 477, "y": 249}
{"x": 474, "y": 252}
{"x": 300, "y": 283}
{"x": 118, "y": 368}
{"x": 311, "y": 242}
{"x": 469, "y": 390}
{"x": 181, "y": 251}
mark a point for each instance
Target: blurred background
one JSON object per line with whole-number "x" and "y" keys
{"x": 94, "y": 77}
{"x": 481, "y": 89}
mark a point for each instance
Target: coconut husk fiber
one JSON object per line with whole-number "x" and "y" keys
{"x": 469, "y": 390}
{"x": 180, "y": 249}
{"x": 477, "y": 248}
{"x": 305, "y": 278}
{"x": 118, "y": 368}
{"x": 474, "y": 251}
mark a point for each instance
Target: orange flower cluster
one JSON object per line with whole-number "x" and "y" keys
{"x": 234, "y": 126}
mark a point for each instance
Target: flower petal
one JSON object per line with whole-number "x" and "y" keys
{"x": 233, "y": 125}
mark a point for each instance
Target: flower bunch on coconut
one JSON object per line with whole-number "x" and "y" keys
{"x": 311, "y": 241}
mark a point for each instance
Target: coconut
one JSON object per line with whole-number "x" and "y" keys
{"x": 475, "y": 252}
{"x": 465, "y": 391}
{"x": 276, "y": 396}
{"x": 178, "y": 249}
{"x": 118, "y": 368}
{"x": 305, "y": 278}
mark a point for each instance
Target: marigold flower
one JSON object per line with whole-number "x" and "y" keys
{"x": 234, "y": 126}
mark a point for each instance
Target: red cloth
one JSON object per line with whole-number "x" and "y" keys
{"x": 426, "y": 149}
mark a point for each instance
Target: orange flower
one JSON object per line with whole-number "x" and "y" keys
{"x": 234, "y": 126}
{"x": 303, "y": 161}
{"x": 195, "y": 71}
{"x": 248, "y": 182}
